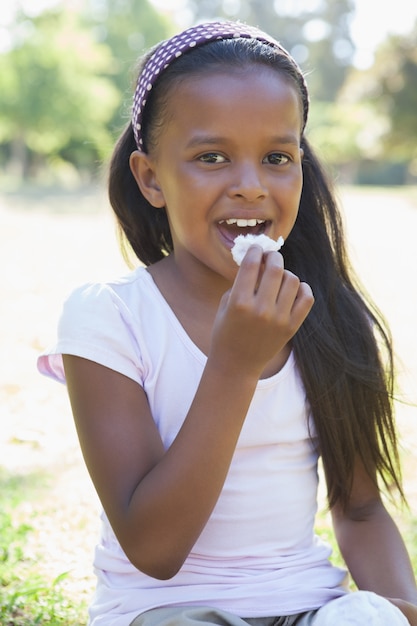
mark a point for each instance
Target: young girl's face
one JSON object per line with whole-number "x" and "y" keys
{"x": 227, "y": 162}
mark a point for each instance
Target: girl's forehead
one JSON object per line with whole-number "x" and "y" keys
{"x": 256, "y": 97}
{"x": 245, "y": 75}
{"x": 250, "y": 82}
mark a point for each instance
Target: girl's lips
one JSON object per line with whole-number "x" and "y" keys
{"x": 229, "y": 232}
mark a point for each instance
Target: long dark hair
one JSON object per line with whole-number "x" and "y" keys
{"x": 343, "y": 349}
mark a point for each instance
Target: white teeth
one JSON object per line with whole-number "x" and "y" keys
{"x": 242, "y": 223}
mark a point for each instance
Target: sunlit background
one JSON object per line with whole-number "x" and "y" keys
{"x": 67, "y": 66}
{"x": 66, "y": 74}
{"x": 370, "y": 24}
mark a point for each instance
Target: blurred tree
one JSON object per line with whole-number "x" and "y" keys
{"x": 128, "y": 28}
{"x": 394, "y": 92}
{"x": 315, "y": 32}
{"x": 55, "y": 93}
{"x": 63, "y": 83}
{"x": 344, "y": 134}
{"x": 390, "y": 88}
{"x": 330, "y": 48}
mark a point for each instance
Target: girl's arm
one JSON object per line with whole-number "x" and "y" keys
{"x": 372, "y": 546}
{"x": 158, "y": 501}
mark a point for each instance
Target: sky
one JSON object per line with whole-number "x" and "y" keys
{"x": 374, "y": 20}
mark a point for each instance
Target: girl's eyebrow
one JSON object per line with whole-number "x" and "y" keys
{"x": 198, "y": 140}
{"x": 289, "y": 139}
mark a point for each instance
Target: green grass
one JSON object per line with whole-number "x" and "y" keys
{"x": 26, "y": 599}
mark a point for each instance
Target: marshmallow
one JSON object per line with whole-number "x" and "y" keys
{"x": 244, "y": 242}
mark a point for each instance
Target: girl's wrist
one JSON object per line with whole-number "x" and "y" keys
{"x": 232, "y": 372}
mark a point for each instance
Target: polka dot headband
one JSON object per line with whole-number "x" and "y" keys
{"x": 186, "y": 41}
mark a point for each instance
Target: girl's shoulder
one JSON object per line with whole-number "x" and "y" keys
{"x": 119, "y": 292}
{"x": 101, "y": 321}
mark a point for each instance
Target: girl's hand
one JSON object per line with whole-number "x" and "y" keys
{"x": 409, "y": 609}
{"x": 259, "y": 315}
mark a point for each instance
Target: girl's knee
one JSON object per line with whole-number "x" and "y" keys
{"x": 359, "y": 608}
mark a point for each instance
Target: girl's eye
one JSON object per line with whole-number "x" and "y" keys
{"x": 212, "y": 157}
{"x": 276, "y": 158}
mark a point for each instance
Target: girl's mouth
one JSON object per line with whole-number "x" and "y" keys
{"x": 232, "y": 227}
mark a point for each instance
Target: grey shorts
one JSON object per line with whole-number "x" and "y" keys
{"x": 206, "y": 616}
{"x": 353, "y": 609}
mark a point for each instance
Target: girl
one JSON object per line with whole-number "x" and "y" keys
{"x": 204, "y": 393}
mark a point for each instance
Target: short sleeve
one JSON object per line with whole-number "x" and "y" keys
{"x": 97, "y": 325}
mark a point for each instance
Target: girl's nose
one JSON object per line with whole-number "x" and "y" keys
{"x": 247, "y": 183}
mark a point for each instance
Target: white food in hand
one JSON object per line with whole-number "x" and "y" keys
{"x": 244, "y": 242}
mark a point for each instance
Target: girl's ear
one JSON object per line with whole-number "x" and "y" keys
{"x": 142, "y": 168}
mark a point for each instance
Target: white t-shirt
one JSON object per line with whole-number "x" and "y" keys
{"x": 258, "y": 554}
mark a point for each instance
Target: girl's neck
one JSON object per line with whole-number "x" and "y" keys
{"x": 183, "y": 284}
{"x": 194, "y": 299}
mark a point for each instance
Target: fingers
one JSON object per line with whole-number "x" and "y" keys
{"x": 265, "y": 275}
{"x": 274, "y": 277}
{"x": 293, "y": 298}
{"x": 261, "y": 313}
{"x": 249, "y": 272}
{"x": 274, "y": 291}
{"x": 303, "y": 304}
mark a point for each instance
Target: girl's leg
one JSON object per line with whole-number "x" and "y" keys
{"x": 359, "y": 608}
